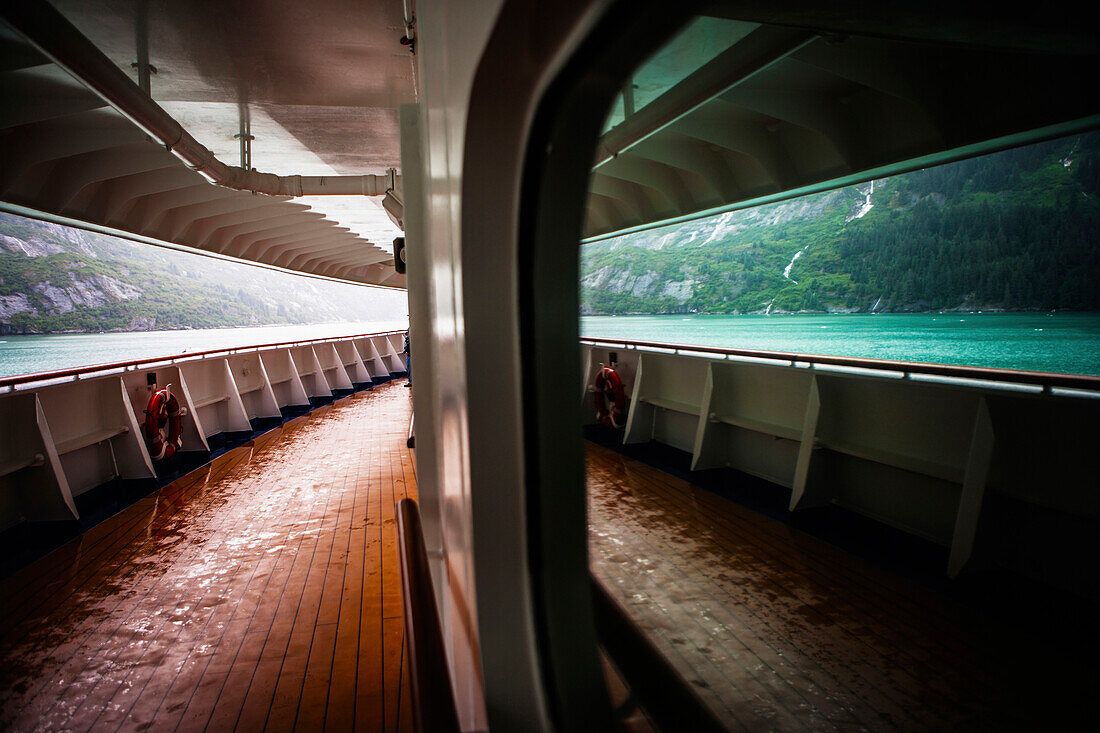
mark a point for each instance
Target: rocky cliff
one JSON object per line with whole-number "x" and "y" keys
{"x": 1014, "y": 230}
{"x": 55, "y": 278}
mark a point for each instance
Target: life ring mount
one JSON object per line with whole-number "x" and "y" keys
{"x": 609, "y": 398}
{"x": 163, "y": 427}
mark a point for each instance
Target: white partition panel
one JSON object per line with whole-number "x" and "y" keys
{"x": 753, "y": 419}
{"x": 332, "y": 366}
{"x": 372, "y": 359}
{"x": 666, "y": 400}
{"x": 913, "y": 438}
{"x": 215, "y": 397}
{"x": 282, "y": 375}
{"x": 391, "y": 352}
{"x": 353, "y": 362}
{"x": 92, "y": 428}
{"x": 587, "y": 373}
{"x": 131, "y": 456}
{"x": 33, "y": 486}
{"x": 253, "y": 385}
{"x": 310, "y": 372}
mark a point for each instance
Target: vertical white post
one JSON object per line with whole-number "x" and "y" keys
{"x": 973, "y": 491}
{"x": 298, "y": 393}
{"x": 54, "y": 462}
{"x": 321, "y": 379}
{"x": 639, "y": 421}
{"x": 700, "y": 454}
{"x": 192, "y": 428}
{"x": 131, "y": 454}
{"x": 799, "y": 497}
{"x": 269, "y": 403}
{"x": 236, "y": 415}
{"x": 586, "y": 372}
{"x": 340, "y": 377}
{"x": 359, "y": 373}
{"x": 378, "y": 367}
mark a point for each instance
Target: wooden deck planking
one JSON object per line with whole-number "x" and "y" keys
{"x": 93, "y": 641}
{"x": 243, "y": 595}
{"x": 65, "y": 565}
{"x": 864, "y": 678}
{"x": 345, "y": 663}
{"x": 779, "y": 630}
{"x": 78, "y": 560}
{"x": 393, "y": 630}
{"x": 304, "y": 629}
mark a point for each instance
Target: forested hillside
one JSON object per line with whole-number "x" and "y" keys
{"x": 1015, "y": 230}
{"x": 54, "y": 278}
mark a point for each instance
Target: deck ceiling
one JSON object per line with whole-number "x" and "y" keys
{"x": 750, "y": 104}
{"x": 764, "y": 101}
{"x": 320, "y": 84}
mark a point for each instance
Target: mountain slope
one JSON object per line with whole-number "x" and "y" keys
{"x": 1013, "y": 230}
{"x": 53, "y": 278}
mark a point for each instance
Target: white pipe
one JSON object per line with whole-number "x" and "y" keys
{"x": 410, "y": 20}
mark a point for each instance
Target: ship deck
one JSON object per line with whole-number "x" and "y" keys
{"x": 260, "y": 591}
{"x": 779, "y": 630}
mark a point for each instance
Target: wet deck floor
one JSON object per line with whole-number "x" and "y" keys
{"x": 260, "y": 591}
{"x": 781, "y": 631}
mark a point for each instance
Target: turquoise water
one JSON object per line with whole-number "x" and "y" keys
{"x": 1059, "y": 342}
{"x": 26, "y": 354}
{"x": 1049, "y": 342}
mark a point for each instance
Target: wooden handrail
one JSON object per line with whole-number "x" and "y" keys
{"x": 432, "y": 695}
{"x": 1013, "y": 376}
{"x": 109, "y": 366}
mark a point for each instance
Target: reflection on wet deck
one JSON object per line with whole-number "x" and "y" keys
{"x": 780, "y": 631}
{"x": 258, "y": 591}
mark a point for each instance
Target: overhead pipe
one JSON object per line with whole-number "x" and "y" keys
{"x": 55, "y": 37}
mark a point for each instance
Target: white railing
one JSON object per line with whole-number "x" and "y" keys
{"x": 936, "y": 450}
{"x": 66, "y": 431}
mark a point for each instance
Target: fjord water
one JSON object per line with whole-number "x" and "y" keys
{"x": 1048, "y": 342}
{"x": 26, "y": 354}
{"x": 1055, "y": 342}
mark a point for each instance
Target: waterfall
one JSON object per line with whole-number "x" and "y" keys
{"x": 787, "y": 269}
{"x": 1068, "y": 160}
{"x": 867, "y": 205}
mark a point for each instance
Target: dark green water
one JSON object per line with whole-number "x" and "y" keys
{"x": 1047, "y": 342}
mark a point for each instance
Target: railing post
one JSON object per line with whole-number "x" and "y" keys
{"x": 973, "y": 491}
{"x": 799, "y": 497}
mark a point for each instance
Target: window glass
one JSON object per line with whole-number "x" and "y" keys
{"x": 700, "y": 41}
{"x": 794, "y": 281}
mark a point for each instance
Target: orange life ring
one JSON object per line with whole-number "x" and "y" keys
{"x": 610, "y": 398}
{"x": 163, "y": 411}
